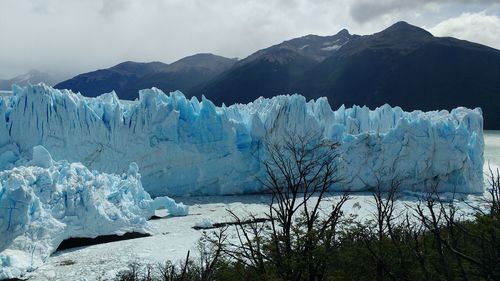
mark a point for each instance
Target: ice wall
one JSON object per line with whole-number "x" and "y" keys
{"x": 192, "y": 147}
{"x": 47, "y": 202}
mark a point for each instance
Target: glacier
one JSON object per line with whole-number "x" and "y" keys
{"x": 47, "y": 201}
{"x": 191, "y": 147}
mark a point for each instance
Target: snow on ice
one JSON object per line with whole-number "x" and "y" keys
{"x": 47, "y": 202}
{"x": 190, "y": 147}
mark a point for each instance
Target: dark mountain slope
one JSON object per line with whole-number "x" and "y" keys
{"x": 120, "y": 78}
{"x": 402, "y": 65}
{"x": 414, "y": 72}
{"x": 272, "y": 70}
{"x": 129, "y": 77}
{"x": 187, "y": 73}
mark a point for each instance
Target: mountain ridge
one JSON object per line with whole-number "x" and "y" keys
{"x": 402, "y": 65}
{"x": 127, "y": 78}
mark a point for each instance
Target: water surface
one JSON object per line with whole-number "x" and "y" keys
{"x": 491, "y": 148}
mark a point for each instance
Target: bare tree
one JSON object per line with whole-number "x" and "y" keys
{"x": 211, "y": 248}
{"x": 385, "y": 196}
{"x": 452, "y": 236}
{"x": 248, "y": 249}
{"x": 494, "y": 190}
{"x": 166, "y": 271}
{"x": 301, "y": 225}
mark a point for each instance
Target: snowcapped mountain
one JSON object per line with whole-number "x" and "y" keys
{"x": 402, "y": 65}
{"x": 312, "y": 47}
{"x": 408, "y": 67}
{"x": 273, "y": 70}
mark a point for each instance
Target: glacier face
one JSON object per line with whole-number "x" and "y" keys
{"x": 47, "y": 202}
{"x": 186, "y": 146}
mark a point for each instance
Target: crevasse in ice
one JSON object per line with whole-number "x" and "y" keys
{"x": 186, "y": 146}
{"x": 46, "y": 202}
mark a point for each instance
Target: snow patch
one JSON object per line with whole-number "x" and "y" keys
{"x": 332, "y": 48}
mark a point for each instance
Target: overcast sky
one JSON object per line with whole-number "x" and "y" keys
{"x": 74, "y": 36}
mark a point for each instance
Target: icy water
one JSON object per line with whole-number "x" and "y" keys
{"x": 174, "y": 235}
{"x": 492, "y": 148}
{"x": 5, "y": 93}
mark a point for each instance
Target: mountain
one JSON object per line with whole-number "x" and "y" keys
{"x": 32, "y": 77}
{"x": 119, "y": 78}
{"x": 273, "y": 70}
{"x": 187, "y": 73}
{"x": 128, "y": 78}
{"x": 402, "y": 65}
{"x": 408, "y": 67}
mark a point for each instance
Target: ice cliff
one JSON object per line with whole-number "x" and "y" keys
{"x": 186, "y": 146}
{"x": 46, "y": 202}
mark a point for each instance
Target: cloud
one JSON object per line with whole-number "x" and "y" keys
{"x": 42, "y": 8}
{"x": 81, "y": 36}
{"x": 110, "y": 7}
{"x": 368, "y": 10}
{"x": 478, "y": 27}
{"x": 72, "y": 36}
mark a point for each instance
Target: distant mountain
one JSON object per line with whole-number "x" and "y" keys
{"x": 129, "y": 77}
{"x": 32, "y": 77}
{"x": 403, "y": 65}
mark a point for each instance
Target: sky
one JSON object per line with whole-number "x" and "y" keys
{"x": 67, "y": 37}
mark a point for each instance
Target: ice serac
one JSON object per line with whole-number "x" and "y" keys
{"x": 187, "y": 146}
{"x": 42, "y": 205}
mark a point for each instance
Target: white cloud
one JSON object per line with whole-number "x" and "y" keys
{"x": 72, "y": 36}
{"x": 110, "y": 7}
{"x": 477, "y": 27}
{"x": 368, "y": 10}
